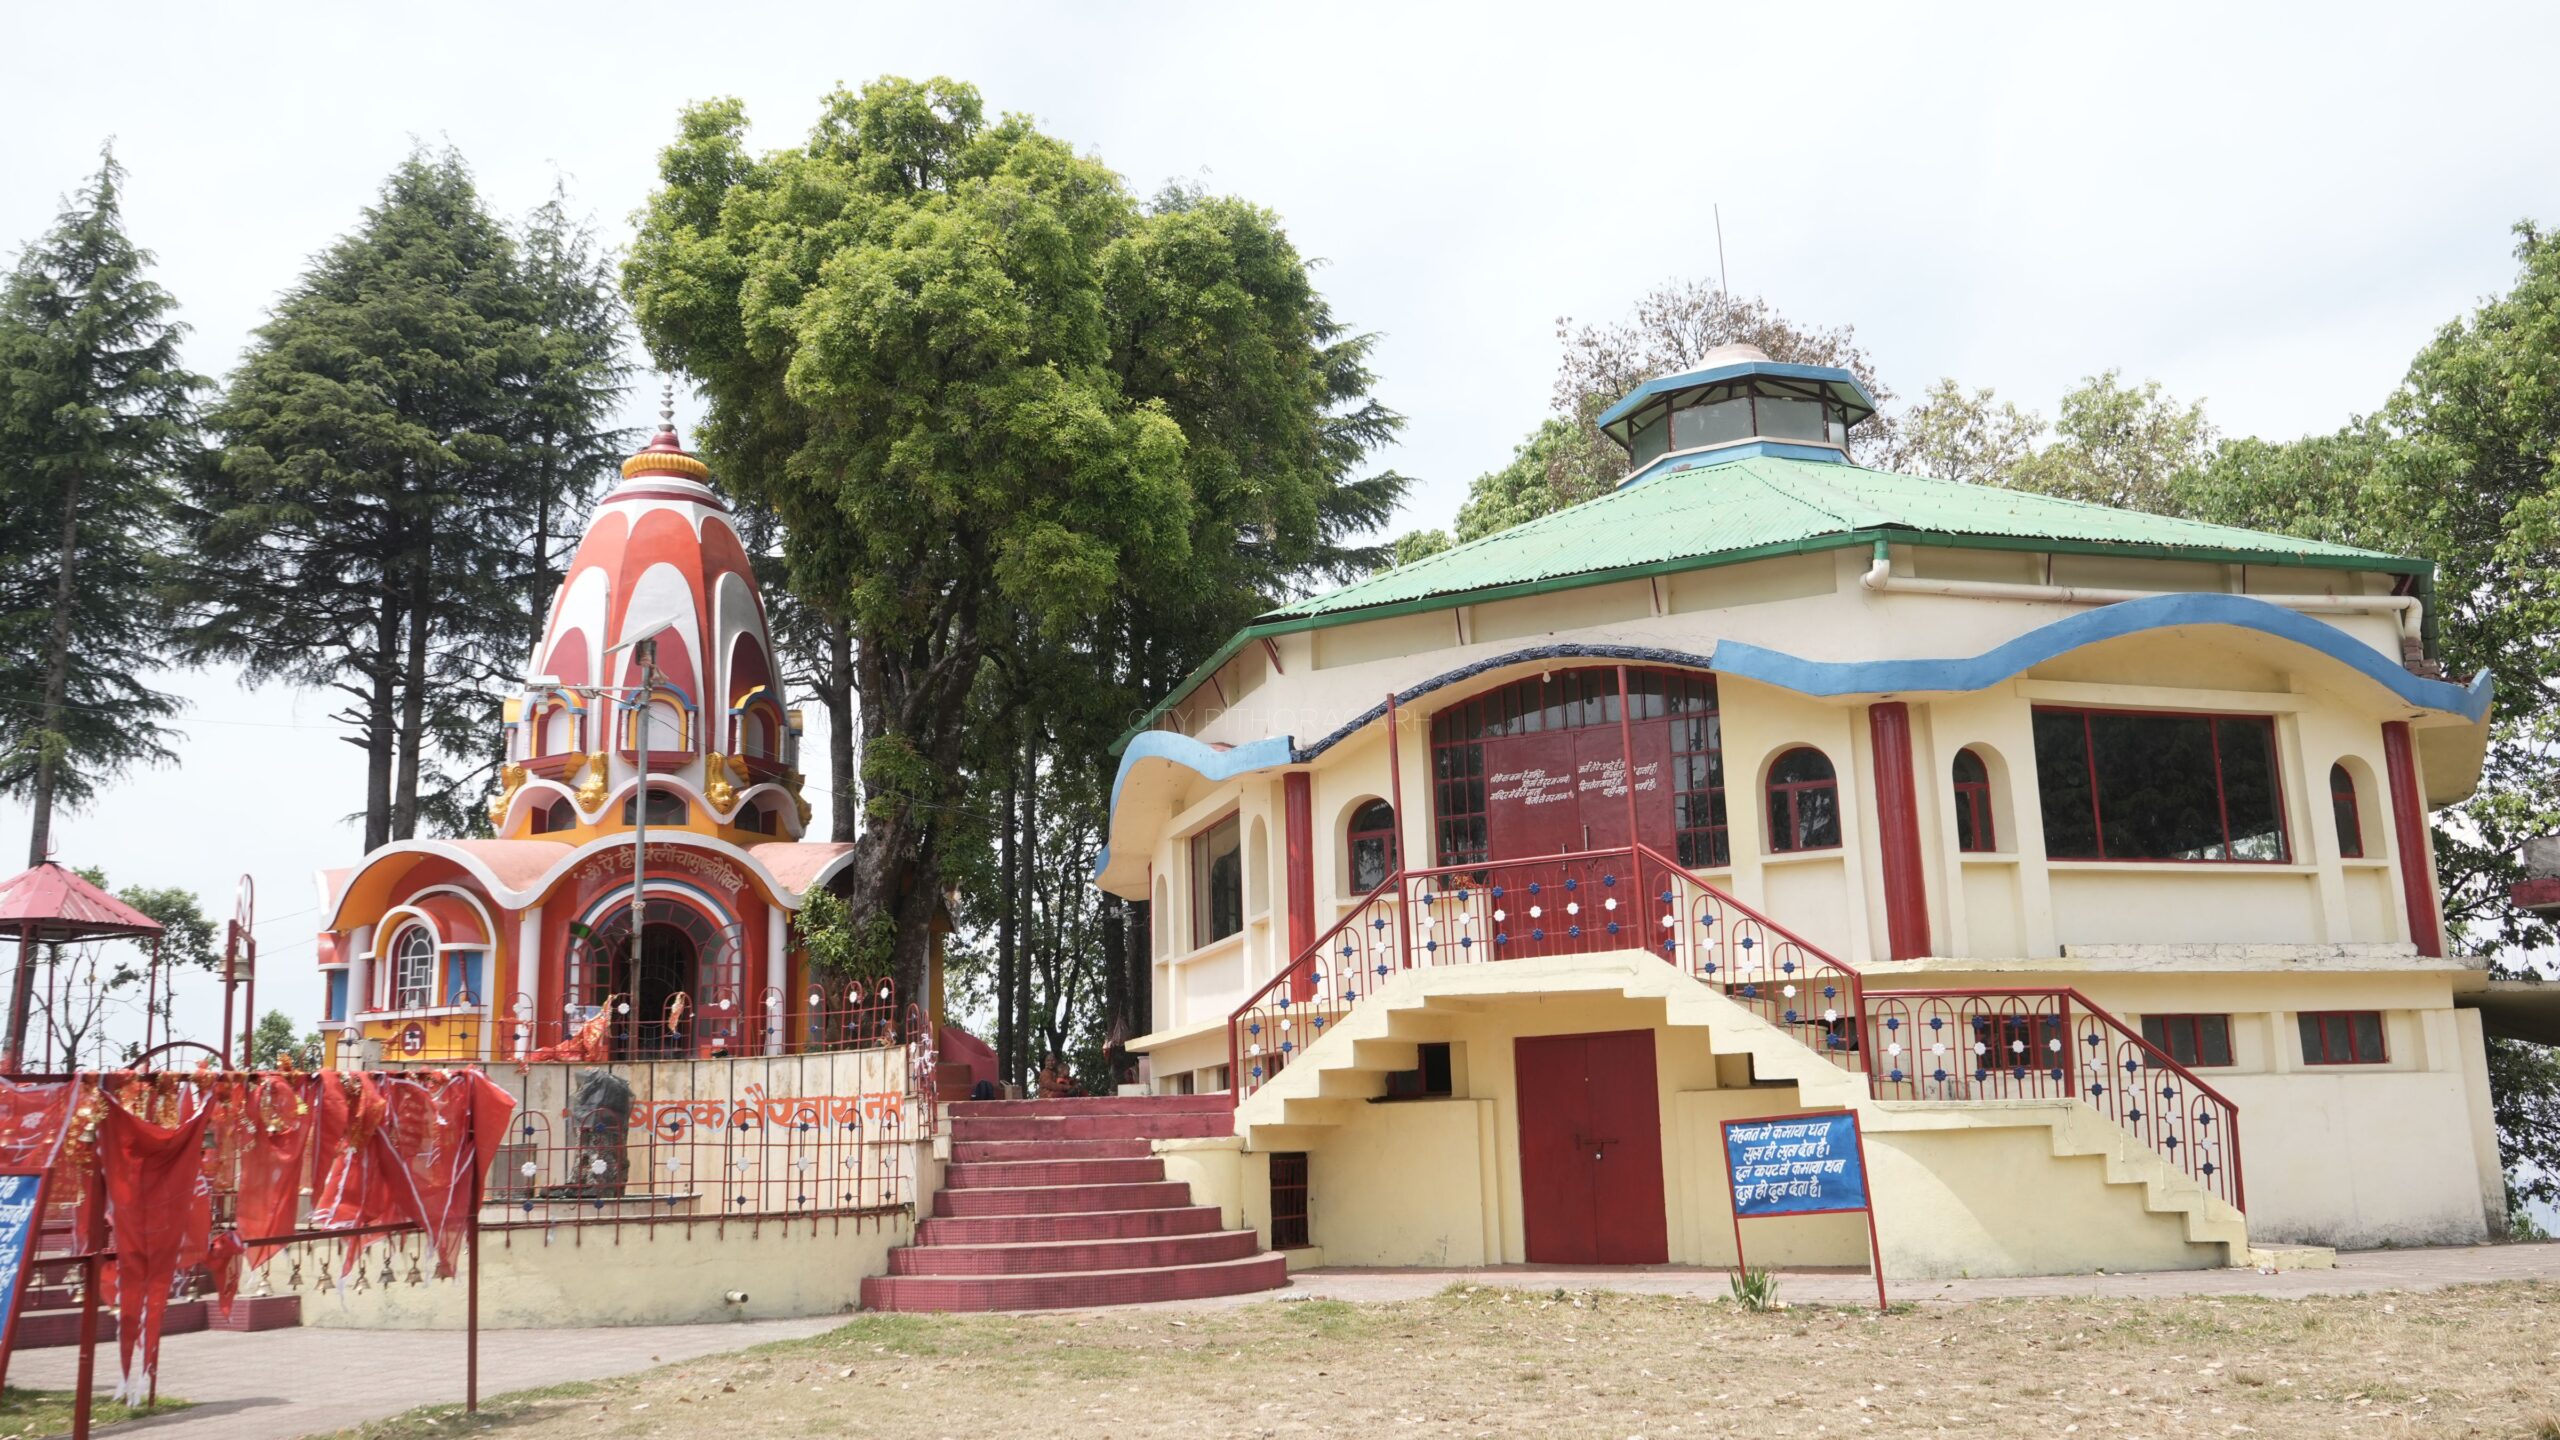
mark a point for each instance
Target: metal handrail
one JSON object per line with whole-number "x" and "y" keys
{"x": 1477, "y": 912}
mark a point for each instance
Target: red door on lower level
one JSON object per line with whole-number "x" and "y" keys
{"x": 1590, "y": 1149}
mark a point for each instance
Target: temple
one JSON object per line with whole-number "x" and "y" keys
{"x": 2081, "y": 853}
{"x": 654, "y": 685}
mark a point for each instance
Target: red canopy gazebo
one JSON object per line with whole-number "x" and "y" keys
{"x": 49, "y": 905}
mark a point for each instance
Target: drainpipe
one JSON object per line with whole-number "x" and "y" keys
{"x": 2409, "y": 609}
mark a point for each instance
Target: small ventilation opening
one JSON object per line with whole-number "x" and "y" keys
{"x": 1288, "y": 1199}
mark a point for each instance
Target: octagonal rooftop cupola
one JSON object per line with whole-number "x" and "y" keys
{"x": 1736, "y": 402}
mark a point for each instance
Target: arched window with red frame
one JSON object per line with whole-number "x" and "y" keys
{"x": 1804, "y": 802}
{"x": 1975, "y": 831}
{"x": 1371, "y": 841}
{"x": 2342, "y": 800}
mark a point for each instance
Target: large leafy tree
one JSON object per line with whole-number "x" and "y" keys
{"x": 2462, "y": 465}
{"x": 1009, "y": 416}
{"x": 96, "y": 416}
{"x": 424, "y": 397}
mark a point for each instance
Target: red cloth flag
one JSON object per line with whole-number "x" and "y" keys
{"x": 161, "y": 1213}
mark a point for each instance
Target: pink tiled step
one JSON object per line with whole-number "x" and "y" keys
{"x": 978, "y": 1175}
{"x": 1061, "y": 1199}
{"x": 971, "y": 1152}
{"x": 1170, "y": 1125}
{"x": 1063, "y": 1257}
{"x": 1090, "y": 1287}
{"x": 1097, "y": 1225}
{"x": 1096, "y": 1105}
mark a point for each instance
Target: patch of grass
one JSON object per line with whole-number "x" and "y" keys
{"x": 516, "y": 1407}
{"x": 1755, "y": 1290}
{"x": 30, "y": 1414}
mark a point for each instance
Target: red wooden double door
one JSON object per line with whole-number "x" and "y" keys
{"x": 1590, "y": 1149}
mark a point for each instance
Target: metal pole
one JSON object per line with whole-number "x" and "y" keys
{"x": 1627, "y": 760}
{"x": 646, "y": 654}
{"x": 1395, "y": 801}
{"x": 88, "y": 1347}
{"x": 471, "y": 1322}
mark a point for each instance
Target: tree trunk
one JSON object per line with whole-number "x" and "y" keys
{"x": 413, "y": 694}
{"x": 913, "y": 701}
{"x": 1029, "y": 846}
{"x": 380, "y": 728}
{"x": 1005, "y": 1036}
{"x": 844, "y": 802}
{"x": 50, "y": 751}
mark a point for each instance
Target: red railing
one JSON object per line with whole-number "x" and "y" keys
{"x": 714, "y": 1023}
{"x": 1912, "y": 1044}
{"x": 2053, "y": 1044}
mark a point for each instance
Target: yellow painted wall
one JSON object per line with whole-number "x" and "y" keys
{"x": 662, "y": 1275}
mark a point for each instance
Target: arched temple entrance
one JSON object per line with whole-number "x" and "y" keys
{"x": 677, "y": 997}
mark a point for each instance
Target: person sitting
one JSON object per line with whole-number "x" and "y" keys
{"x": 1056, "y": 1080}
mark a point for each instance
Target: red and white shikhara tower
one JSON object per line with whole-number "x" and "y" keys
{"x": 653, "y": 701}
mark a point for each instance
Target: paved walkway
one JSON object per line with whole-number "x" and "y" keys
{"x": 284, "y": 1383}
{"x": 276, "y": 1384}
{"x": 2357, "y": 1272}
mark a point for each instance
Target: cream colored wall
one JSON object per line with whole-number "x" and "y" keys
{"x": 2399, "y": 1153}
{"x": 679, "y": 1275}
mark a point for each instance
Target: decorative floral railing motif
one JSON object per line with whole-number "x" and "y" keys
{"x": 1911, "y": 1044}
{"x": 714, "y": 1023}
{"x": 2053, "y": 1044}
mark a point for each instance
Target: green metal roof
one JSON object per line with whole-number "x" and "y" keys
{"x": 1761, "y": 506}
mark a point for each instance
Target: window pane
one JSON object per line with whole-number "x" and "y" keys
{"x": 2155, "y": 1028}
{"x": 1968, "y": 838}
{"x": 2342, "y": 799}
{"x": 1817, "y": 818}
{"x": 1652, "y": 438}
{"x": 1798, "y": 766}
{"x": 2249, "y": 788}
{"x": 2367, "y": 1028}
{"x": 1217, "y": 881}
{"x": 2334, "y": 1040}
{"x": 2062, "y": 785}
{"x": 2310, "y": 1039}
{"x": 1716, "y": 423}
{"x": 2213, "y": 1039}
{"x": 1791, "y": 419}
{"x": 2155, "y": 787}
{"x": 1368, "y": 864}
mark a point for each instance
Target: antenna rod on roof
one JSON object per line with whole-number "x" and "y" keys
{"x": 1724, "y": 284}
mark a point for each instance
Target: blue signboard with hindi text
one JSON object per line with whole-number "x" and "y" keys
{"x": 21, "y": 1200}
{"x": 1796, "y": 1165}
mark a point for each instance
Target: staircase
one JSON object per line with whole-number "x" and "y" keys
{"x": 1060, "y": 1203}
{"x": 1330, "y": 1082}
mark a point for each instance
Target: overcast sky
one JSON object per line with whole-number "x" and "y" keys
{"x": 2267, "y": 211}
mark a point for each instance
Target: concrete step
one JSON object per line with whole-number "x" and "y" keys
{"x": 983, "y": 1175}
{"x": 1168, "y": 1125}
{"x": 1058, "y": 1257}
{"x": 1063, "y": 1291}
{"x": 1060, "y": 1226}
{"x": 1062, "y": 1199}
{"x": 972, "y": 1152}
{"x": 1096, "y": 1105}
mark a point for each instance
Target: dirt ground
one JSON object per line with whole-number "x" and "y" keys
{"x": 2467, "y": 1361}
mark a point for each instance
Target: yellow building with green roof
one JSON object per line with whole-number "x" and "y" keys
{"x": 2081, "y": 854}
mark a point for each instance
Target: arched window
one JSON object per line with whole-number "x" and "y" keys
{"x": 559, "y": 731}
{"x": 1974, "y": 829}
{"x": 558, "y": 815}
{"x": 1804, "y": 802}
{"x": 1371, "y": 840}
{"x": 666, "y": 807}
{"x": 754, "y": 733}
{"x": 2342, "y": 799}
{"x": 413, "y": 969}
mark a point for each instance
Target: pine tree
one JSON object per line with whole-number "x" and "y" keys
{"x": 422, "y": 397}
{"x": 96, "y": 415}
